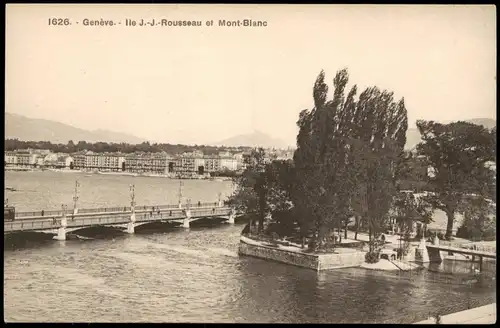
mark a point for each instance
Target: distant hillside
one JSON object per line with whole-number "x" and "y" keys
{"x": 255, "y": 139}
{"x": 32, "y": 129}
{"x": 413, "y": 136}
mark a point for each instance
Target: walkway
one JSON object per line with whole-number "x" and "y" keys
{"x": 463, "y": 251}
{"x": 482, "y": 315}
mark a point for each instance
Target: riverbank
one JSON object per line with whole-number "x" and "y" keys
{"x": 119, "y": 173}
{"x": 350, "y": 253}
{"x": 342, "y": 258}
{"x": 482, "y": 315}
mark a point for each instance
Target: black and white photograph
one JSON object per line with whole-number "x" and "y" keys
{"x": 250, "y": 163}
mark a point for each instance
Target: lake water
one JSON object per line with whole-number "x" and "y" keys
{"x": 196, "y": 275}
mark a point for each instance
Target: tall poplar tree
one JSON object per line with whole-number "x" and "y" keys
{"x": 347, "y": 154}
{"x": 321, "y": 158}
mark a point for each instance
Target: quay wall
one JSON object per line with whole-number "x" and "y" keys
{"x": 481, "y": 315}
{"x": 317, "y": 262}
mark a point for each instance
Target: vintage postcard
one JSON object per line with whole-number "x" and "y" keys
{"x": 250, "y": 163}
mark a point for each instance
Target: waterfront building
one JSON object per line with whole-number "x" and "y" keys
{"x": 212, "y": 164}
{"x": 40, "y": 161}
{"x": 185, "y": 164}
{"x": 113, "y": 162}
{"x": 59, "y": 161}
{"x": 93, "y": 160}
{"x": 199, "y": 164}
{"x": 50, "y": 160}
{"x": 102, "y": 161}
{"x": 240, "y": 163}
{"x": 79, "y": 161}
{"x": 26, "y": 158}
{"x": 228, "y": 163}
{"x": 64, "y": 161}
{"x": 157, "y": 163}
{"x": 10, "y": 158}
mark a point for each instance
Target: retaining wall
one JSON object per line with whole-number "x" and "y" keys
{"x": 318, "y": 262}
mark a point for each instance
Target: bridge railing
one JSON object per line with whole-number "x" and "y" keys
{"x": 470, "y": 245}
{"x": 104, "y": 210}
{"x": 114, "y": 209}
{"x": 38, "y": 213}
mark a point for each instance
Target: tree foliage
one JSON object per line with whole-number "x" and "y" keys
{"x": 261, "y": 187}
{"x": 409, "y": 208}
{"x": 479, "y": 220}
{"x": 457, "y": 154}
{"x": 106, "y": 147}
{"x": 346, "y": 157}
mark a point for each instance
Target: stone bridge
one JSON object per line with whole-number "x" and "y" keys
{"x": 129, "y": 218}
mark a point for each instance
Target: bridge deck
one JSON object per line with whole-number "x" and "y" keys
{"x": 463, "y": 251}
{"x": 56, "y": 213}
{"x": 110, "y": 218}
{"x": 128, "y": 212}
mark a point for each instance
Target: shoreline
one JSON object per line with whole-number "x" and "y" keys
{"x": 342, "y": 257}
{"x": 112, "y": 173}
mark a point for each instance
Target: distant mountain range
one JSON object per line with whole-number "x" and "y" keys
{"x": 33, "y": 129}
{"x": 413, "y": 136}
{"x": 255, "y": 139}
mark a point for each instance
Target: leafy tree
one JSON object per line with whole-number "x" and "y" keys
{"x": 320, "y": 160}
{"x": 479, "y": 219}
{"x": 409, "y": 208}
{"x": 71, "y": 147}
{"x": 381, "y": 127}
{"x": 457, "y": 153}
{"x": 346, "y": 157}
{"x": 250, "y": 195}
{"x": 99, "y": 147}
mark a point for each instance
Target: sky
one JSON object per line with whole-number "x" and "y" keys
{"x": 205, "y": 84}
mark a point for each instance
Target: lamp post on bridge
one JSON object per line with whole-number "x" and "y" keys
{"x": 75, "y": 198}
{"x": 130, "y": 225}
{"x": 219, "y": 197}
{"x": 132, "y": 197}
{"x": 180, "y": 194}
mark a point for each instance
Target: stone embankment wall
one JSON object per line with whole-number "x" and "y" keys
{"x": 250, "y": 247}
{"x": 343, "y": 260}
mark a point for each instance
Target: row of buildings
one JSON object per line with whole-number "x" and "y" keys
{"x": 159, "y": 163}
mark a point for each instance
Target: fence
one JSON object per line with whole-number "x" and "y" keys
{"x": 478, "y": 246}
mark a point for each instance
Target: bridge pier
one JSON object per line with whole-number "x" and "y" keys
{"x": 480, "y": 264}
{"x": 231, "y": 217}
{"x": 421, "y": 253}
{"x": 131, "y": 224}
{"x": 61, "y": 232}
{"x": 187, "y": 219}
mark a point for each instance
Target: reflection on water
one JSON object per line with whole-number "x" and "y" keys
{"x": 196, "y": 275}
